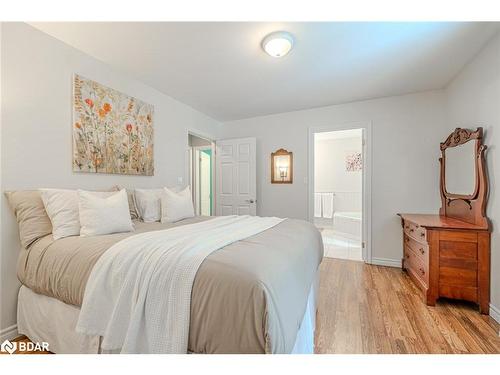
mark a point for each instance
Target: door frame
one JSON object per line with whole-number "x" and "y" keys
{"x": 211, "y": 138}
{"x": 196, "y": 176}
{"x": 366, "y": 177}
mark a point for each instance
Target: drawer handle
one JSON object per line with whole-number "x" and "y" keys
{"x": 422, "y": 234}
{"x": 422, "y": 251}
{"x": 407, "y": 226}
{"x": 412, "y": 230}
{"x": 407, "y": 256}
{"x": 421, "y": 271}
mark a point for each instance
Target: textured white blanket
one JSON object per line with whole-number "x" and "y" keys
{"x": 139, "y": 292}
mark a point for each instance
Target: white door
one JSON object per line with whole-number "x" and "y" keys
{"x": 236, "y": 177}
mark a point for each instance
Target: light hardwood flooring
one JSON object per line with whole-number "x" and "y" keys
{"x": 373, "y": 309}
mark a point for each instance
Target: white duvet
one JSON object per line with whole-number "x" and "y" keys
{"x": 139, "y": 292}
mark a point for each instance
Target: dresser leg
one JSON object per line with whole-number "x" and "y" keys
{"x": 484, "y": 307}
{"x": 429, "y": 299}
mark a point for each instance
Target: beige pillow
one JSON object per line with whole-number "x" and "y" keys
{"x": 30, "y": 214}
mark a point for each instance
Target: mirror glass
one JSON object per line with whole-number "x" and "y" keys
{"x": 460, "y": 171}
{"x": 281, "y": 165}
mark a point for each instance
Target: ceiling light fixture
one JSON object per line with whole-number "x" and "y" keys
{"x": 277, "y": 44}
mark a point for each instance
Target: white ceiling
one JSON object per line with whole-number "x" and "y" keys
{"x": 221, "y": 70}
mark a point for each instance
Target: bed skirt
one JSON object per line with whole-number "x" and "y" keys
{"x": 46, "y": 319}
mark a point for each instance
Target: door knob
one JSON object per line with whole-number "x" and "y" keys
{"x": 250, "y": 201}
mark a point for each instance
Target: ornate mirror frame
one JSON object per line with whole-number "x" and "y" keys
{"x": 469, "y": 208}
{"x": 275, "y": 179}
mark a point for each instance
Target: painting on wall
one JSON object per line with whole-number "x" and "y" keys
{"x": 353, "y": 162}
{"x": 112, "y": 132}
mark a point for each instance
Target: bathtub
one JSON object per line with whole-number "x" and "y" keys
{"x": 348, "y": 224}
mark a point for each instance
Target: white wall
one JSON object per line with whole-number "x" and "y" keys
{"x": 406, "y": 132}
{"x": 330, "y": 168}
{"x": 473, "y": 99}
{"x": 36, "y": 131}
{"x": 331, "y": 176}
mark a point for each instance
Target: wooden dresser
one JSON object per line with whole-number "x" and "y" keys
{"x": 448, "y": 254}
{"x": 446, "y": 257}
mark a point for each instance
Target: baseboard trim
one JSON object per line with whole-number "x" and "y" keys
{"x": 386, "y": 262}
{"x": 8, "y": 333}
{"x": 495, "y": 313}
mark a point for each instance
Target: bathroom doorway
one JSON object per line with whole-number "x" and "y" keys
{"x": 337, "y": 195}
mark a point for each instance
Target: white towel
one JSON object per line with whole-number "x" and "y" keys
{"x": 327, "y": 203}
{"x": 317, "y": 204}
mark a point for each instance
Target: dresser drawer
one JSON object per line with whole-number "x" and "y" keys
{"x": 416, "y": 266}
{"x": 415, "y": 231}
{"x": 448, "y": 257}
{"x": 421, "y": 249}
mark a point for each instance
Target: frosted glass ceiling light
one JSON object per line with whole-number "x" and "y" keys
{"x": 278, "y": 44}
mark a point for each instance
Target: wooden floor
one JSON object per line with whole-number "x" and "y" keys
{"x": 373, "y": 309}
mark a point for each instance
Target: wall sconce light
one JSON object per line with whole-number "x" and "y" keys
{"x": 282, "y": 167}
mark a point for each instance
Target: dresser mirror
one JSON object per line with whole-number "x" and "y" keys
{"x": 448, "y": 254}
{"x": 464, "y": 183}
{"x": 460, "y": 178}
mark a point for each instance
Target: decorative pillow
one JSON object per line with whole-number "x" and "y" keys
{"x": 176, "y": 206}
{"x": 134, "y": 214}
{"x": 104, "y": 215}
{"x": 62, "y": 208}
{"x": 148, "y": 204}
{"x": 30, "y": 214}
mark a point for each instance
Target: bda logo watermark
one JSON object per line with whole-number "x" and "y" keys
{"x": 21, "y": 346}
{"x": 8, "y": 347}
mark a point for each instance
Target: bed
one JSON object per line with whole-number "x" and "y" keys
{"x": 257, "y": 295}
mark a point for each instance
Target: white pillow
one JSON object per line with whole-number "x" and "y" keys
{"x": 176, "y": 206}
{"x": 62, "y": 209}
{"x": 148, "y": 204}
{"x": 103, "y": 215}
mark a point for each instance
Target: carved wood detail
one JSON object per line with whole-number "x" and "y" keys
{"x": 461, "y": 136}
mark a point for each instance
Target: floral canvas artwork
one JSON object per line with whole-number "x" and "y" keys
{"x": 112, "y": 132}
{"x": 353, "y": 162}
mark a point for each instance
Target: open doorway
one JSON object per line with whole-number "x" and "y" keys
{"x": 338, "y": 192}
{"x": 201, "y": 173}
